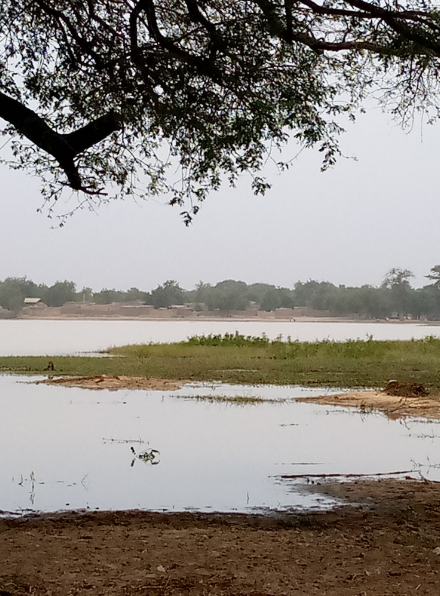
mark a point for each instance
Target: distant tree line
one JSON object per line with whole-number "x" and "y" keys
{"x": 395, "y": 297}
{"x": 14, "y": 290}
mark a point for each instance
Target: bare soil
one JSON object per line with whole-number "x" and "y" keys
{"x": 384, "y": 540}
{"x": 393, "y": 406}
{"x": 114, "y": 382}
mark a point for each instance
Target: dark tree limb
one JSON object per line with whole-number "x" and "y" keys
{"x": 366, "y": 12}
{"x": 198, "y": 17}
{"x": 64, "y": 148}
{"x": 94, "y": 132}
{"x": 149, "y": 9}
{"x": 402, "y": 25}
{"x": 407, "y": 24}
{"x": 61, "y": 18}
{"x": 325, "y": 10}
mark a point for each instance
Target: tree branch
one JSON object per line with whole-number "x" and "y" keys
{"x": 401, "y": 24}
{"x": 61, "y": 18}
{"x": 148, "y": 7}
{"x": 405, "y": 23}
{"x": 198, "y": 17}
{"x": 94, "y": 132}
{"x": 64, "y": 148}
{"x": 319, "y": 9}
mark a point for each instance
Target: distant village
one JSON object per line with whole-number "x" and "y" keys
{"x": 36, "y": 308}
{"x": 394, "y": 299}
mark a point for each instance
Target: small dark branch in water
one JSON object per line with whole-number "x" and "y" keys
{"x": 139, "y": 441}
{"x": 287, "y": 476}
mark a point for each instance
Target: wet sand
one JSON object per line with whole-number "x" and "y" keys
{"x": 393, "y": 406}
{"x": 114, "y": 382}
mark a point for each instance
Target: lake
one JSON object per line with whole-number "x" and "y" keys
{"x": 70, "y": 448}
{"x": 40, "y": 338}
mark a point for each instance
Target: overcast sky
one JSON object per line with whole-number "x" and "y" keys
{"x": 348, "y": 226}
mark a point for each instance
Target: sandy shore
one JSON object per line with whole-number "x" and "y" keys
{"x": 393, "y": 406}
{"x": 114, "y": 382}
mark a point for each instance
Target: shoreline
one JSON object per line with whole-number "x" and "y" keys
{"x": 370, "y": 401}
{"x": 219, "y": 319}
{"x": 382, "y": 539}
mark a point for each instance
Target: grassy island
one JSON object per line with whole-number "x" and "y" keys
{"x": 255, "y": 360}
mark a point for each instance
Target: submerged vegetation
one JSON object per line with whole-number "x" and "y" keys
{"x": 236, "y": 400}
{"x": 257, "y": 360}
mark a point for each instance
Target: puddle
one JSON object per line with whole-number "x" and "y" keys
{"x": 69, "y": 448}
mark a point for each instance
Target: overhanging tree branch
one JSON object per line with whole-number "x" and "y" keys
{"x": 408, "y": 24}
{"x": 64, "y": 148}
{"x": 219, "y": 81}
{"x": 94, "y": 132}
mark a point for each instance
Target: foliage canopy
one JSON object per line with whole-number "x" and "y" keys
{"x": 104, "y": 96}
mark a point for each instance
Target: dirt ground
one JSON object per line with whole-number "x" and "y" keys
{"x": 393, "y": 406}
{"x": 385, "y": 540}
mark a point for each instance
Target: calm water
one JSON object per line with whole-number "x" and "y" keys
{"x": 21, "y": 337}
{"x": 68, "y": 448}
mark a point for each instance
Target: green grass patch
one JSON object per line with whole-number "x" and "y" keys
{"x": 248, "y": 360}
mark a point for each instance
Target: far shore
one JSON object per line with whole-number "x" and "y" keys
{"x": 218, "y": 318}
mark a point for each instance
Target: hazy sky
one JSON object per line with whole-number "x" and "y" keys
{"x": 349, "y": 225}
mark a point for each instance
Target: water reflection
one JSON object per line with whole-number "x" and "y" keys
{"x": 71, "y": 448}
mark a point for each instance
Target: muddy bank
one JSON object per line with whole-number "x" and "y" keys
{"x": 393, "y": 406}
{"x": 114, "y": 382}
{"x": 384, "y": 541}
